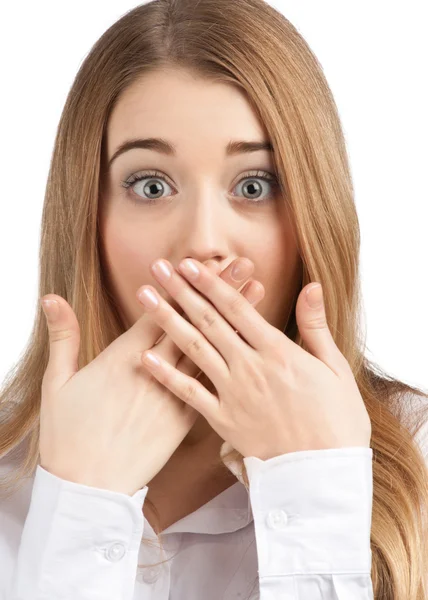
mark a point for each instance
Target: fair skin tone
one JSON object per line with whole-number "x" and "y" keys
{"x": 200, "y": 211}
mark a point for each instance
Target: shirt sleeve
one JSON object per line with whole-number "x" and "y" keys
{"x": 78, "y": 542}
{"x": 312, "y": 517}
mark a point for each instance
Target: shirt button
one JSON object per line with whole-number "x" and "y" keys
{"x": 277, "y": 519}
{"x": 116, "y": 552}
{"x": 152, "y": 574}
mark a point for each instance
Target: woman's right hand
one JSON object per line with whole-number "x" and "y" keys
{"x": 112, "y": 425}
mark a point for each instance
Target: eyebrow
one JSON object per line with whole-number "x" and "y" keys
{"x": 164, "y": 147}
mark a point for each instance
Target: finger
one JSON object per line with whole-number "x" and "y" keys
{"x": 312, "y": 322}
{"x": 241, "y": 315}
{"x": 167, "y": 349}
{"x": 187, "y": 337}
{"x": 145, "y": 332}
{"x": 253, "y": 293}
{"x": 226, "y": 339}
{"x": 188, "y": 389}
{"x": 204, "y": 316}
{"x": 64, "y": 341}
{"x": 185, "y": 364}
{"x": 170, "y": 352}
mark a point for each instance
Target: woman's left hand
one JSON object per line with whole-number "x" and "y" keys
{"x": 273, "y": 396}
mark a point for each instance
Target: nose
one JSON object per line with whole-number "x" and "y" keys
{"x": 207, "y": 228}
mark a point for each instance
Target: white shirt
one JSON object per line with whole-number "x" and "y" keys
{"x": 301, "y": 532}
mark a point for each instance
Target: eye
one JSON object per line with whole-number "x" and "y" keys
{"x": 254, "y": 189}
{"x": 150, "y": 185}
{"x": 152, "y": 188}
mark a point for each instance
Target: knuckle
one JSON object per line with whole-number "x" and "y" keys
{"x": 60, "y": 335}
{"x": 207, "y": 319}
{"x": 194, "y": 347}
{"x": 316, "y": 322}
{"x": 189, "y": 392}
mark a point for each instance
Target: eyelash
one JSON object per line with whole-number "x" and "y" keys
{"x": 128, "y": 183}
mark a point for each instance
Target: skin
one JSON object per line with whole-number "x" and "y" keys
{"x": 201, "y": 213}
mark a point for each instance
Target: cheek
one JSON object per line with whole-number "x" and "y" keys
{"x": 130, "y": 246}
{"x": 127, "y": 258}
{"x": 125, "y": 255}
{"x": 279, "y": 269}
{"x": 275, "y": 262}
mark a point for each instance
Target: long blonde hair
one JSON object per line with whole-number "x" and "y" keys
{"x": 249, "y": 44}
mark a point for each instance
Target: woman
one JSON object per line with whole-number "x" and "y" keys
{"x": 269, "y": 457}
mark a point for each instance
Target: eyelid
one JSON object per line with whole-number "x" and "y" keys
{"x": 147, "y": 173}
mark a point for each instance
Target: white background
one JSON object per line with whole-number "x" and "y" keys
{"x": 374, "y": 55}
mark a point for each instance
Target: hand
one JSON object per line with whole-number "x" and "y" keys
{"x": 273, "y": 397}
{"x": 111, "y": 425}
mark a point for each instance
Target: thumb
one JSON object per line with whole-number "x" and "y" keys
{"x": 311, "y": 320}
{"x": 64, "y": 340}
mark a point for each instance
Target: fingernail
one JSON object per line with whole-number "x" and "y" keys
{"x": 188, "y": 267}
{"x": 241, "y": 270}
{"x": 162, "y": 270}
{"x": 148, "y": 298}
{"x": 151, "y": 360}
{"x": 252, "y": 294}
{"x": 51, "y": 309}
{"x": 314, "y": 296}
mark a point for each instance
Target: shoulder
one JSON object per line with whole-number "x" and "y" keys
{"x": 14, "y": 507}
{"x": 15, "y": 493}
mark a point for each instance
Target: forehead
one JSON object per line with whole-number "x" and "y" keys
{"x": 177, "y": 105}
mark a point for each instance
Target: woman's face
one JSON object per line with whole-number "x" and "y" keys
{"x": 203, "y": 202}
